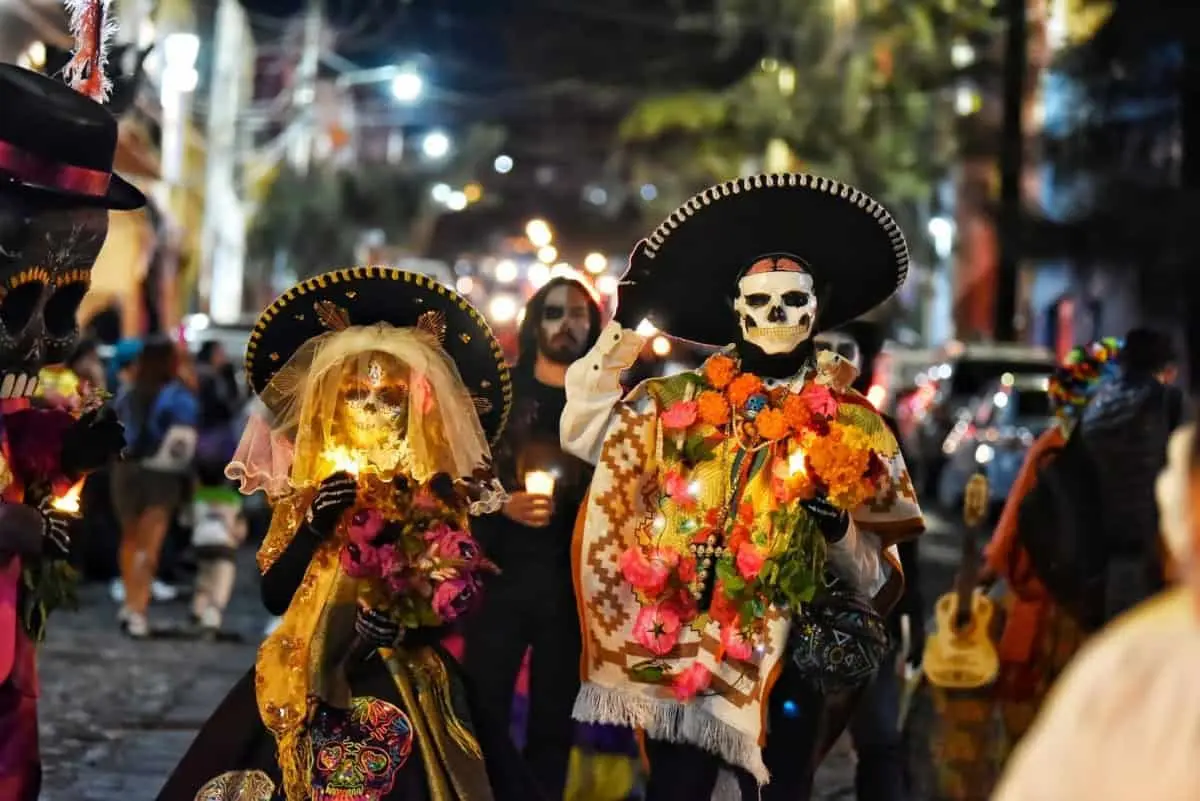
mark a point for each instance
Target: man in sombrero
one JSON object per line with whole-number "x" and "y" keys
{"x": 734, "y": 557}
{"x": 57, "y": 187}
{"x": 381, "y": 392}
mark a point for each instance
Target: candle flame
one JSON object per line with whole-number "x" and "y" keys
{"x": 68, "y": 502}
{"x": 796, "y": 464}
{"x": 539, "y": 482}
{"x": 343, "y": 460}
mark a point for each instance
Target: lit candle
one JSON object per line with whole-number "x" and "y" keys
{"x": 796, "y": 466}
{"x": 68, "y": 502}
{"x": 539, "y": 482}
{"x": 343, "y": 460}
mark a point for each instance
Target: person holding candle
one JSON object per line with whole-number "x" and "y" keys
{"x": 736, "y": 557}
{"x": 531, "y": 602}
{"x": 380, "y": 392}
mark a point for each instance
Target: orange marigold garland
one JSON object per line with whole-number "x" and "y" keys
{"x": 720, "y": 370}
{"x": 742, "y": 388}
{"x": 714, "y": 409}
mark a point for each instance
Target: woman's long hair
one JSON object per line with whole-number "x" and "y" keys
{"x": 527, "y": 334}
{"x": 157, "y": 365}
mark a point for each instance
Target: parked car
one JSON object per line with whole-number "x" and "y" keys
{"x": 1003, "y": 423}
{"x": 947, "y": 387}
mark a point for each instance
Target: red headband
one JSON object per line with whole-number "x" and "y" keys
{"x": 30, "y": 168}
{"x": 776, "y": 264}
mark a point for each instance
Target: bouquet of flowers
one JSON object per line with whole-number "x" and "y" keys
{"x": 419, "y": 563}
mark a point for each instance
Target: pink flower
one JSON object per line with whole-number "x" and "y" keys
{"x": 657, "y": 628}
{"x": 365, "y": 526}
{"x": 391, "y": 560}
{"x": 679, "y": 489}
{"x": 735, "y": 644}
{"x": 749, "y": 561}
{"x": 680, "y": 415}
{"x": 691, "y": 681}
{"x": 820, "y": 400}
{"x": 451, "y": 545}
{"x": 360, "y": 561}
{"x": 648, "y": 574}
{"x": 453, "y": 597}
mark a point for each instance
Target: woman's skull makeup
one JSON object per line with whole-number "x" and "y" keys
{"x": 375, "y": 400}
{"x": 776, "y": 305}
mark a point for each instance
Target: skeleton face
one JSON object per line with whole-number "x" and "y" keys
{"x": 776, "y": 309}
{"x": 46, "y": 258}
{"x": 357, "y": 752}
{"x": 376, "y": 395}
{"x": 566, "y": 320}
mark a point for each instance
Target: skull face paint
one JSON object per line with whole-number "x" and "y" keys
{"x": 776, "y": 308}
{"x": 358, "y": 752}
{"x": 566, "y": 322}
{"x": 376, "y": 395}
{"x": 46, "y": 259}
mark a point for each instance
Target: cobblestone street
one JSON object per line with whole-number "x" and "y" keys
{"x": 117, "y": 715}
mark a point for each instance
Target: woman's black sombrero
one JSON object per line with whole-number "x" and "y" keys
{"x": 852, "y": 246}
{"x": 371, "y": 295}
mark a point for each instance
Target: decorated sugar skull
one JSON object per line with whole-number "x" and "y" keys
{"x": 358, "y": 752}
{"x": 376, "y": 391}
{"x": 776, "y": 305}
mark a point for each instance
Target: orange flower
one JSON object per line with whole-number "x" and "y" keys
{"x": 772, "y": 425}
{"x": 796, "y": 411}
{"x": 714, "y": 409}
{"x": 841, "y": 465}
{"x": 720, "y": 370}
{"x": 742, "y": 387}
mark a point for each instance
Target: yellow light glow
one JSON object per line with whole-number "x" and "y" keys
{"x": 539, "y": 482}
{"x": 538, "y": 275}
{"x": 506, "y": 271}
{"x": 796, "y": 465}
{"x": 473, "y": 191}
{"x": 547, "y": 254}
{"x": 607, "y": 284}
{"x": 595, "y": 263}
{"x": 646, "y": 328}
{"x": 503, "y": 308}
{"x": 342, "y": 460}
{"x": 539, "y": 233}
{"x": 661, "y": 346}
{"x": 68, "y": 502}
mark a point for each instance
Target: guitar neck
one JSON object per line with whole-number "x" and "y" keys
{"x": 968, "y": 568}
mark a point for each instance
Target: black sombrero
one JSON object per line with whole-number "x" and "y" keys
{"x": 852, "y": 246}
{"x": 370, "y": 295}
{"x": 58, "y": 145}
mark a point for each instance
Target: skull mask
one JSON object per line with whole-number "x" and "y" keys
{"x": 358, "y": 752}
{"x": 776, "y": 305}
{"x": 46, "y": 258}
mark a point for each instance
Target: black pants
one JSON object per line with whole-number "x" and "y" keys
{"x": 880, "y": 773}
{"x": 796, "y": 721}
{"x": 530, "y": 605}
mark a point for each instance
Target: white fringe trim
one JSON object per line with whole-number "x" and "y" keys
{"x": 673, "y": 722}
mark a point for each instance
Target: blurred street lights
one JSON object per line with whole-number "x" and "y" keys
{"x": 506, "y": 271}
{"x": 178, "y": 81}
{"x": 436, "y": 145}
{"x": 441, "y": 192}
{"x": 547, "y": 254}
{"x": 595, "y": 263}
{"x": 538, "y": 275}
{"x": 503, "y": 309}
{"x": 408, "y": 86}
{"x": 539, "y": 233}
{"x": 503, "y": 164}
{"x": 607, "y": 285}
{"x": 457, "y": 201}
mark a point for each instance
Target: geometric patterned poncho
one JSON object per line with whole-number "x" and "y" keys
{"x": 624, "y": 683}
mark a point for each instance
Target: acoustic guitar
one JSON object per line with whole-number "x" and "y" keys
{"x": 960, "y": 654}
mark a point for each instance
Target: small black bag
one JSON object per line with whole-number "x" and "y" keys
{"x": 838, "y": 641}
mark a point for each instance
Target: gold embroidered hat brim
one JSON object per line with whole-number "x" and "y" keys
{"x": 370, "y": 295}
{"x": 850, "y": 243}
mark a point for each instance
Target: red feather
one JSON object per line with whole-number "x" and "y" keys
{"x": 93, "y": 31}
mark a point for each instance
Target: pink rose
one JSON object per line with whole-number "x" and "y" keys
{"x": 679, "y": 489}
{"x": 648, "y": 574}
{"x": 749, "y": 561}
{"x": 391, "y": 560}
{"x": 448, "y": 544}
{"x": 657, "y": 628}
{"x": 680, "y": 415}
{"x": 365, "y": 526}
{"x": 360, "y": 561}
{"x": 453, "y": 597}
{"x": 735, "y": 644}
{"x": 691, "y": 681}
{"x": 820, "y": 400}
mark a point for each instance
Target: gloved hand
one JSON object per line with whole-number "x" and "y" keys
{"x": 94, "y": 440}
{"x": 56, "y": 532}
{"x": 334, "y": 497}
{"x": 376, "y": 629}
{"x": 633, "y": 305}
{"x": 832, "y": 521}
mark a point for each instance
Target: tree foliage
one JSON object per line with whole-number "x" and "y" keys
{"x": 316, "y": 220}
{"x": 854, "y": 89}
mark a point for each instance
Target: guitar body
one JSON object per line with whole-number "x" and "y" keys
{"x": 962, "y": 657}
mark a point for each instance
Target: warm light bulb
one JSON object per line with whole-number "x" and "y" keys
{"x": 661, "y": 346}
{"x": 595, "y": 263}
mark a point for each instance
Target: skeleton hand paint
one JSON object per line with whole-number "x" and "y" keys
{"x": 776, "y": 308}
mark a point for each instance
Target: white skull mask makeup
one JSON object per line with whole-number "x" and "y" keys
{"x": 776, "y": 308}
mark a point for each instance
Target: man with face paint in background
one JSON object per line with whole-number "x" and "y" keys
{"x": 531, "y": 603}
{"x": 680, "y": 559}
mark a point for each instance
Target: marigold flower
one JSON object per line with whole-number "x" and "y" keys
{"x": 772, "y": 425}
{"x": 742, "y": 387}
{"x": 796, "y": 411}
{"x": 720, "y": 370}
{"x": 714, "y": 409}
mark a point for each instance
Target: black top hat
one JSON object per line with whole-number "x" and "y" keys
{"x": 58, "y": 145}
{"x": 850, "y": 244}
{"x": 364, "y": 296}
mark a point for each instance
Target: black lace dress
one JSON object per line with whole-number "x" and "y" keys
{"x": 369, "y": 752}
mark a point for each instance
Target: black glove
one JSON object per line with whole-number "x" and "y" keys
{"x": 56, "y": 532}
{"x": 376, "y": 629}
{"x": 632, "y": 304}
{"x": 832, "y": 521}
{"x": 334, "y": 497}
{"x": 94, "y": 440}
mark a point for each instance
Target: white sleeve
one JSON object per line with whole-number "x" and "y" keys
{"x": 594, "y": 390}
{"x": 857, "y": 558}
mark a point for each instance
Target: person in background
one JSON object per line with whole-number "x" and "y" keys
{"x": 1039, "y": 637}
{"x": 531, "y": 604}
{"x": 160, "y": 415}
{"x": 218, "y": 527}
